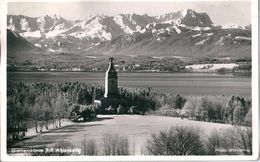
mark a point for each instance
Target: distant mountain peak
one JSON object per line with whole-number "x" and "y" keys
{"x": 232, "y": 26}
{"x": 186, "y": 12}
{"x": 192, "y": 18}
{"x": 187, "y": 17}
{"x": 54, "y": 16}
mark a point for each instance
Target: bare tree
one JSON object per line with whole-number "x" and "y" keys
{"x": 213, "y": 143}
{"x": 122, "y": 146}
{"x": 218, "y": 144}
{"x": 242, "y": 137}
{"x": 115, "y": 145}
{"x": 176, "y": 141}
{"x": 107, "y": 143}
{"x": 89, "y": 147}
{"x": 61, "y": 108}
{"x": 235, "y": 141}
{"x": 248, "y": 118}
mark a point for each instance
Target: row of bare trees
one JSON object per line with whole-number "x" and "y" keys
{"x": 235, "y": 141}
{"x": 234, "y": 110}
{"x": 180, "y": 140}
{"x": 35, "y": 105}
{"x": 37, "y": 111}
{"x": 189, "y": 141}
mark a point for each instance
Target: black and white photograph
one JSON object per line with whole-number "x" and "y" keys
{"x": 138, "y": 80}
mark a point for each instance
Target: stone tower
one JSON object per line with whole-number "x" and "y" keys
{"x": 111, "y": 83}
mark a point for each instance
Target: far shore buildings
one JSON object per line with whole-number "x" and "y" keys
{"x": 111, "y": 96}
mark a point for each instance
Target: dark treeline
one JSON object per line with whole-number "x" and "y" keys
{"x": 38, "y": 104}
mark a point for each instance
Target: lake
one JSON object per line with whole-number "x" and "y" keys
{"x": 181, "y": 83}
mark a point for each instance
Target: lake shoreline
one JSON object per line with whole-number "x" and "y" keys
{"x": 176, "y": 83}
{"x": 206, "y": 72}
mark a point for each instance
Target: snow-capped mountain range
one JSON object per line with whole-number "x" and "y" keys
{"x": 130, "y": 33}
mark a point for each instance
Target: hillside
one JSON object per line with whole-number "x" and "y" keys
{"x": 17, "y": 43}
{"x": 213, "y": 42}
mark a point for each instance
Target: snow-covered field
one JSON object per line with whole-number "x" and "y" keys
{"x": 137, "y": 128}
{"x": 210, "y": 67}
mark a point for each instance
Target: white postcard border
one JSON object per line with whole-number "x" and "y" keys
{"x": 255, "y": 102}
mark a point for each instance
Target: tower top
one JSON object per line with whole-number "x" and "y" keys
{"x": 111, "y": 68}
{"x": 111, "y": 59}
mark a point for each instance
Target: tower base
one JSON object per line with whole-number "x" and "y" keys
{"x": 111, "y": 105}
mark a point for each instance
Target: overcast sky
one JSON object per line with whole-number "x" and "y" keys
{"x": 221, "y": 12}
